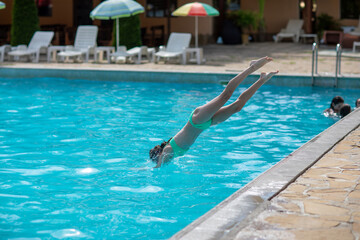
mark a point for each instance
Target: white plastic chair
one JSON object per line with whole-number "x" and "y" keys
{"x": 136, "y": 54}
{"x": 84, "y": 44}
{"x": 4, "y": 49}
{"x": 356, "y": 31}
{"x": 292, "y": 30}
{"x": 40, "y": 40}
{"x": 175, "y": 48}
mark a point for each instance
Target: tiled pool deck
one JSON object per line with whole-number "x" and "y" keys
{"x": 314, "y": 193}
{"x": 323, "y": 203}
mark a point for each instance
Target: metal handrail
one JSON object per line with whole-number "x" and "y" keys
{"x": 314, "y": 62}
{"x": 338, "y": 63}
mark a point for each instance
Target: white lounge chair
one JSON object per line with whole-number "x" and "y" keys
{"x": 292, "y": 30}
{"x": 84, "y": 44}
{"x": 356, "y": 31}
{"x": 135, "y": 54}
{"x": 40, "y": 40}
{"x": 140, "y": 52}
{"x": 4, "y": 49}
{"x": 175, "y": 48}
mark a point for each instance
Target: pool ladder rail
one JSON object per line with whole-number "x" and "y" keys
{"x": 314, "y": 65}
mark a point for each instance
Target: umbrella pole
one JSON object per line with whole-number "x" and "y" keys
{"x": 117, "y": 34}
{"x": 196, "y": 31}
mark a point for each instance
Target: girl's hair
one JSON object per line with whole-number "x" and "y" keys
{"x": 356, "y": 102}
{"x": 335, "y": 101}
{"x": 345, "y": 110}
{"x": 157, "y": 150}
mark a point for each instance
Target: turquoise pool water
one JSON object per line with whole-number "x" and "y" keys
{"x": 74, "y": 154}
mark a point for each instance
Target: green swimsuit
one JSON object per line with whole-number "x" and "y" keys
{"x": 178, "y": 151}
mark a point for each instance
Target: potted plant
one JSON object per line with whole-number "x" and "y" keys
{"x": 246, "y": 20}
{"x": 326, "y": 22}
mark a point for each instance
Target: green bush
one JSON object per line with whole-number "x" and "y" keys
{"x": 326, "y": 22}
{"x": 129, "y": 32}
{"x": 25, "y": 21}
{"x": 244, "y": 19}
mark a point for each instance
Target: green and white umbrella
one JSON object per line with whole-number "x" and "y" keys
{"x": 2, "y": 5}
{"x": 115, "y": 9}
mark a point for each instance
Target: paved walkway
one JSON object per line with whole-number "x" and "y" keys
{"x": 323, "y": 203}
{"x": 289, "y": 58}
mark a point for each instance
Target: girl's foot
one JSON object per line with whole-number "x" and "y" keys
{"x": 266, "y": 76}
{"x": 260, "y": 62}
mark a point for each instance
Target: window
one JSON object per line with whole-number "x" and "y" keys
{"x": 233, "y": 5}
{"x": 44, "y": 8}
{"x": 160, "y": 8}
{"x": 350, "y": 9}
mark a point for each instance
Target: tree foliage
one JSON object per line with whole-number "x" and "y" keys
{"x": 129, "y": 30}
{"x": 25, "y": 21}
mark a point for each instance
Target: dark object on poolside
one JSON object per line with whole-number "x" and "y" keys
{"x": 345, "y": 110}
{"x": 230, "y": 33}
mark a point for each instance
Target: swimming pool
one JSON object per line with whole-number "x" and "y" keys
{"x": 74, "y": 154}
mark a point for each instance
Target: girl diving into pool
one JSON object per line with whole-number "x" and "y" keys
{"x": 212, "y": 113}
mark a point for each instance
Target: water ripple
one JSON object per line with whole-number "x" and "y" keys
{"x": 68, "y": 233}
{"x": 148, "y": 189}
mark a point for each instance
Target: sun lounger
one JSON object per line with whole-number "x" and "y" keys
{"x": 85, "y": 43}
{"x": 292, "y": 30}
{"x": 40, "y": 40}
{"x": 356, "y": 31}
{"x": 136, "y": 54}
{"x": 175, "y": 48}
{"x": 4, "y": 49}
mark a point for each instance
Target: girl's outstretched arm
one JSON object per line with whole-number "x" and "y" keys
{"x": 166, "y": 155}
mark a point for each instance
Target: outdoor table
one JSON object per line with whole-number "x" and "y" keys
{"x": 305, "y": 36}
{"x": 100, "y": 50}
{"x": 355, "y": 44}
{"x": 53, "y": 50}
{"x": 196, "y": 53}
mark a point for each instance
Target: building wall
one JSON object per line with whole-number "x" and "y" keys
{"x": 276, "y": 14}
{"x": 181, "y": 24}
{"x": 332, "y": 7}
{"x": 5, "y": 14}
{"x": 62, "y": 13}
{"x": 283, "y": 9}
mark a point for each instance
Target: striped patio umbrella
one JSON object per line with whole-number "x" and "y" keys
{"x": 2, "y": 5}
{"x": 196, "y": 9}
{"x": 115, "y": 9}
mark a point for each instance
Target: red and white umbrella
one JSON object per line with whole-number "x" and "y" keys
{"x": 196, "y": 9}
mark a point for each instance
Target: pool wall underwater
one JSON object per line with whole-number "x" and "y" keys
{"x": 176, "y": 77}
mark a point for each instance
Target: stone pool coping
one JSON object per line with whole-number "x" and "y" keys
{"x": 235, "y": 211}
{"x": 176, "y": 76}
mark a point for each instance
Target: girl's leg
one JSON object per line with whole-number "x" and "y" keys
{"x": 225, "y": 112}
{"x": 207, "y": 111}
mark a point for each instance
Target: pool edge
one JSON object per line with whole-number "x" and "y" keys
{"x": 238, "y": 208}
{"x": 296, "y": 80}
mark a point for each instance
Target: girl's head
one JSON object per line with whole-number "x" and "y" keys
{"x": 357, "y": 103}
{"x": 156, "y": 151}
{"x": 336, "y": 103}
{"x": 345, "y": 110}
